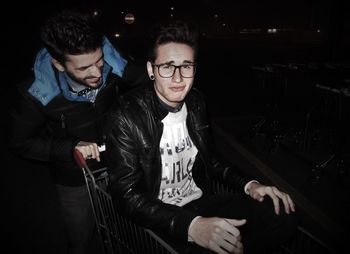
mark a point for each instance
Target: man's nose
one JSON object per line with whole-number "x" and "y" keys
{"x": 96, "y": 71}
{"x": 177, "y": 75}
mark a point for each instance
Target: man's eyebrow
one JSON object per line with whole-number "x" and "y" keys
{"x": 87, "y": 66}
{"x": 185, "y": 61}
{"x": 169, "y": 62}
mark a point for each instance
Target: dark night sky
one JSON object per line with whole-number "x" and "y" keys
{"x": 218, "y": 19}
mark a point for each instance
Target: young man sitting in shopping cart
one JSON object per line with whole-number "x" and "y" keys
{"x": 161, "y": 162}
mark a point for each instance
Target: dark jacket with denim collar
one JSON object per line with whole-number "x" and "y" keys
{"x": 135, "y": 163}
{"x": 49, "y": 133}
{"x": 48, "y": 121}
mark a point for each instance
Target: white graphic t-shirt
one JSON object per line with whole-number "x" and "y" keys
{"x": 178, "y": 154}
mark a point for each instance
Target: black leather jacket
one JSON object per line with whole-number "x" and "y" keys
{"x": 135, "y": 163}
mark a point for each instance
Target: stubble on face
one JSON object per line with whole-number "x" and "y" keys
{"x": 86, "y": 69}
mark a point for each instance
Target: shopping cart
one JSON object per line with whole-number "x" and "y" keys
{"x": 117, "y": 234}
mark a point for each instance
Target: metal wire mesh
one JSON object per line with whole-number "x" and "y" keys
{"x": 118, "y": 234}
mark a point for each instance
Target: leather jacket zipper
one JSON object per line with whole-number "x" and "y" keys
{"x": 63, "y": 121}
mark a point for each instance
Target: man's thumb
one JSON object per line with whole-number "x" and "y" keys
{"x": 237, "y": 223}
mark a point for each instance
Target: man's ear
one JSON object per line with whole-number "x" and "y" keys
{"x": 58, "y": 65}
{"x": 150, "y": 69}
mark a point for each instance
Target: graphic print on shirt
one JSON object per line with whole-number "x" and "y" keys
{"x": 178, "y": 154}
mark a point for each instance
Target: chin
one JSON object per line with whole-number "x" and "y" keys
{"x": 179, "y": 99}
{"x": 94, "y": 85}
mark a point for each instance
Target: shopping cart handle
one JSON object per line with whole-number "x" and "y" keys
{"x": 79, "y": 158}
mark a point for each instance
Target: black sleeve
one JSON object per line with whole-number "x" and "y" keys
{"x": 29, "y": 136}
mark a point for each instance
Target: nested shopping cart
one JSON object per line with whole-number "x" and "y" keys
{"x": 118, "y": 235}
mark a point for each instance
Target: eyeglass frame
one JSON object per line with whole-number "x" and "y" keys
{"x": 176, "y": 67}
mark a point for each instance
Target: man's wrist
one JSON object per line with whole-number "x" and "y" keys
{"x": 248, "y": 185}
{"x": 189, "y": 238}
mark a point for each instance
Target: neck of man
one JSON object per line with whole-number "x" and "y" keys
{"x": 170, "y": 108}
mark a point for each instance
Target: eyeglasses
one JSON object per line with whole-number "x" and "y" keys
{"x": 168, "y": 70}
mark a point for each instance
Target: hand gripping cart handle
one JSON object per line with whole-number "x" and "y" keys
{"x": 116, "y": 233}
{"x": 101, "y": 203}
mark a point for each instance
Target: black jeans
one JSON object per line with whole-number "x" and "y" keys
{"x": 263, "y": 230}
{"x": 78, "y": 217}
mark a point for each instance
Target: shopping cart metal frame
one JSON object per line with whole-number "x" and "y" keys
{"x": 117, "y": 234}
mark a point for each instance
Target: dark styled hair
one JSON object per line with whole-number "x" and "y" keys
{"x": 177, "y": 31}
{"x": 71, "y": 32}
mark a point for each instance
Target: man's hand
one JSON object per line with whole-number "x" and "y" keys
{"x": 257, "y": 191}
{"x": 218, "y": 234}
{"x": 88, "y": 150}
